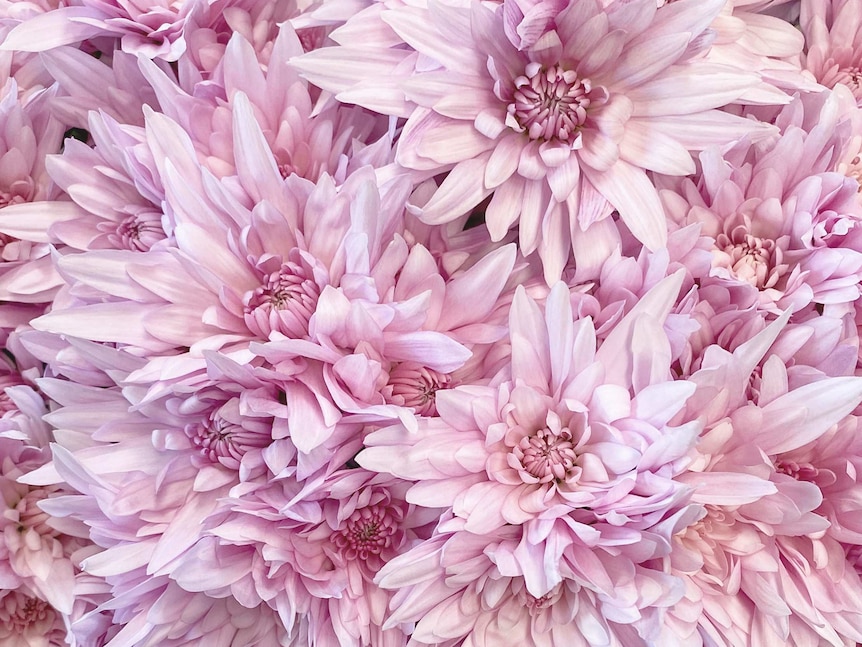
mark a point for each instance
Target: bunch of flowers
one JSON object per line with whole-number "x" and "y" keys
{"x": 440, "y": 323}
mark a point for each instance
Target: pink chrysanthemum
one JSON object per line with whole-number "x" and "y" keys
{"x": 554, "y": 437}
{"x": 27, "y": 621}
{"x": 29, "y": 133}
{"x": 313, "y": 554}
{"x": 466, "y": 589}
{"x": 556, "y": 128}
{"x": 788, "y": 232}
{"x": 303, "y": 138}
{"x": 763, "y": 532}
{"x": 153, "y": 29}
{"x": 570, "y": 443}
{"x": 833, "y": 42}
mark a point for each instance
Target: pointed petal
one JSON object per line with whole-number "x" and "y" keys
{"x": 460, "y": 191}
{"x": 615, "y": 352}
{"x": 54, "y": 28}
{"x": 629, "y": 189}
{"x": 806, "y": 413}
{"x": 529, "y": 336}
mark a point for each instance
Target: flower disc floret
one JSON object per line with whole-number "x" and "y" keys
{"x": 545, "y": 455}
{"x": 138, "y": 232}
{"x": 754, "y": 260}
{"x": 550, "y": 103}
{"x": 285, "y": 301}
{"x": 222, "y": 441}
{"x": 367, "y": 532}
{"x": 20, "y": 614}
{"x": 416, "y": 386}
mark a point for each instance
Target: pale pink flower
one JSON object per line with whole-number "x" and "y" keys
{"x": 115, "y": 195}
{"x": 29, "y": 133}
{"x": 289, "y": 259}
{"x": 378, "y": 370}
{"x": 761, "y": 507}
{"x": 194, "y": 455}
{"x": 479, "y": 589}
{"x": 759, "y": 37}
{"x": 210, "y": 29}
{"x": 550, "y": 163}
{"x": 155, "y": 612}
{"x": 27, "y": 621}
{"x": 833, "y": 42}
{"x": 35, "y": 549}
{"x": 313, "y": 553}
{"x": 152, "y": 29}
{"x": 564, "y": 459}
{"x": 110, "y": 84}
{"x": 549, "y": 436}
{"x": 302, "y": 137}
{"x": 243, "y": 276}
{"x": 784, "y": 231}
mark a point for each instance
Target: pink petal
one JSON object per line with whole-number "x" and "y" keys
{"x": 806, "y": 413}
{"x": 682, "y": 91}
{"x": 726, "y": 488}
{"x": 461, "y": 191}
{"x": 471, "y": 296}
{"x": 432, "y": 349}
{"x": 53, "y": 29}
{"x": 629, "y": 190}
{"x": 504, "y": 159}
{"x": 651, "y": 149}
{"x": 530, "y": 349}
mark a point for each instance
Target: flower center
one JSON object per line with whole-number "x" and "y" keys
{"x": 854, "y": 557}
{"x": 139, "y": 232}
{"x": 799, "y": 471}
{"x": 852, "y": 78}
{"x": 536, "y": 605}
{"x": 754, "y": 260}
{"x": 546, "y": 456}
{"x": 19, "y": 613}
{"x": 284, "y": 302}
{"x": 222, "y": 441}
{"x": 416, "y": 386}
{"x": 26, "y": 515}
{"x": 311, "y": 37}
{"x": 7, "y": 199}
{"x": 367, "y": 532}
{"x": 550, "y": 103}
{"x": 286, "y": 169}
{"x": 854, "y": 170}
{"x": 18, "y": 192}
{"x": 6, "y": 404}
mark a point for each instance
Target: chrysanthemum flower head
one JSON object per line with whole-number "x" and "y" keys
{"x": 554, "y": 129}
{"x": 784, "y": 230}
{"x": 567, "y": 452}
{"x": 764, "y": 521}
{"x": 833, "y": 43}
